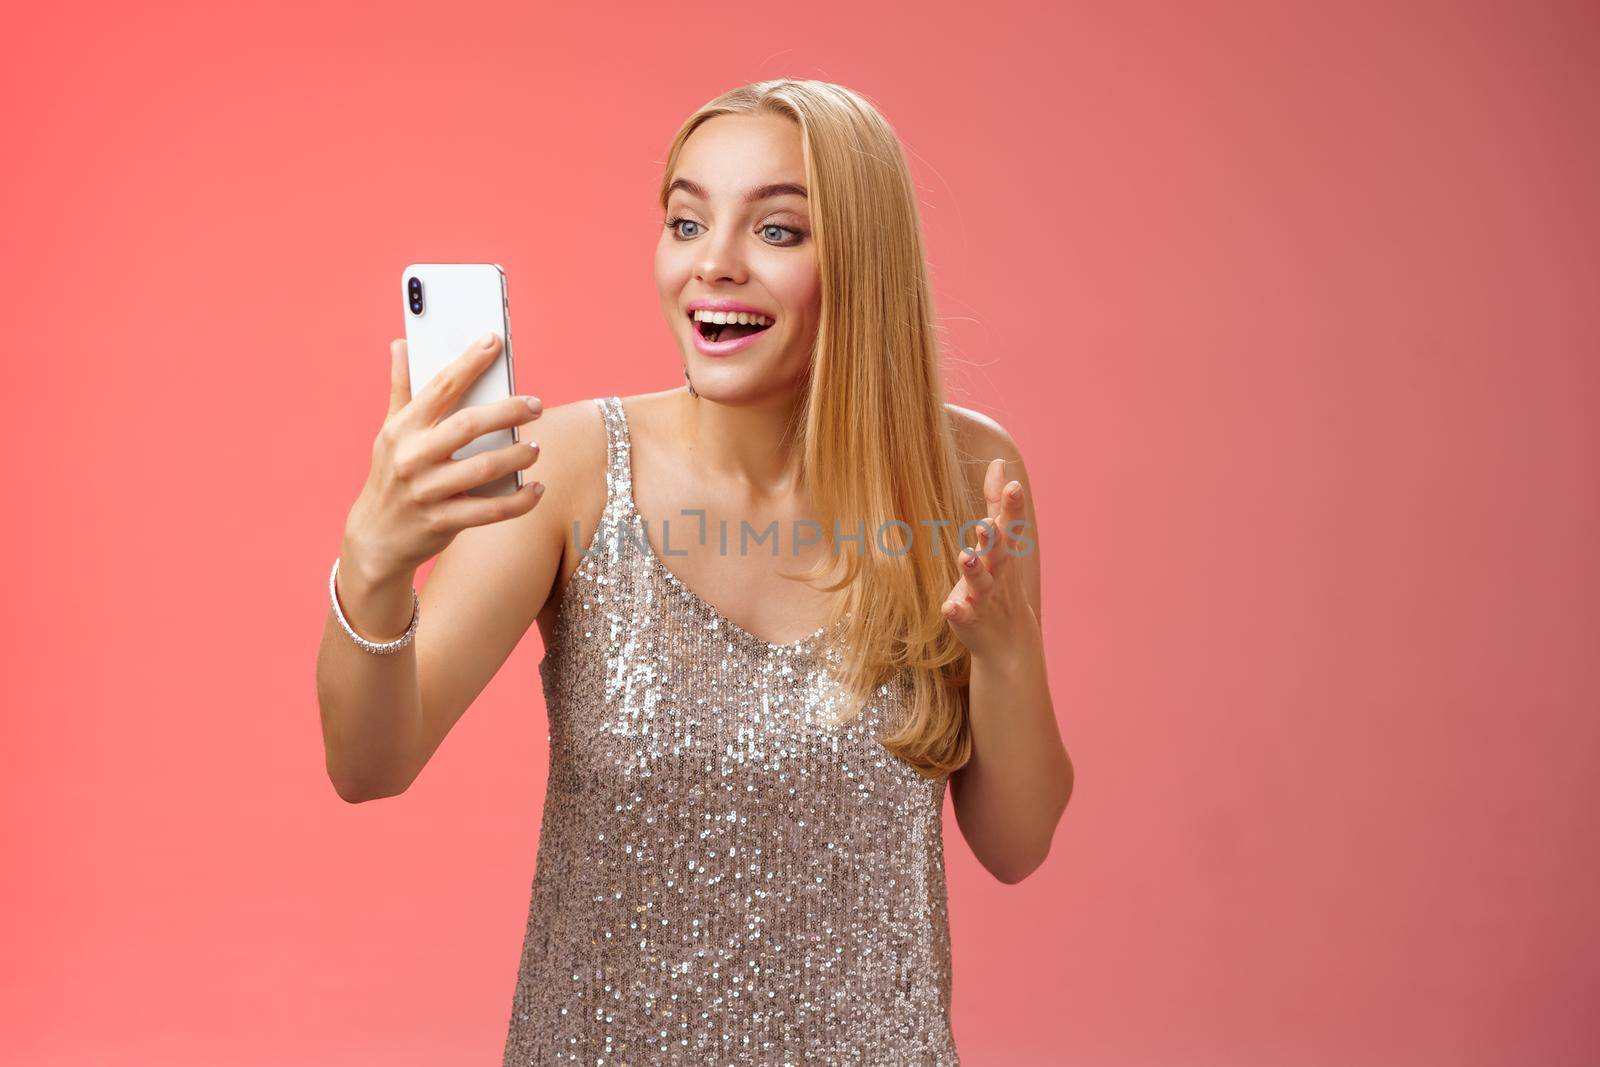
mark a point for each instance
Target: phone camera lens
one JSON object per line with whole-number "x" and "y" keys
{"x": 414, "y": 288}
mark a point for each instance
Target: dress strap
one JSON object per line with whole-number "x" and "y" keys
{"x": 619, "y": 461}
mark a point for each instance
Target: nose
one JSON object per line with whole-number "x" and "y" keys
{"x": 720, "y": 259}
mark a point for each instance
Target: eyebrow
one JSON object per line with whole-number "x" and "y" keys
{"x": 760, "y": 192}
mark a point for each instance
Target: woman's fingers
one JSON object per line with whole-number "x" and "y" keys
{"x": 417, "y": 495}
{"x": 461, "y": 512}
{"x": 994, "y": 481}
{"x": 966, "y": 599}
{"x": 995, "y": 536}
{"x": 982, "y": 567}
{"x": 462, "y": 427}
{"x": 958, "y": 612}
{"x": 975, "y": 575}
{"x": 991, "y": 546}
{"x": 453, "y": 476}
{"x": 446, "y": 387}
{"x": 399, "y": 376}
{"x": 1013, "y": 501}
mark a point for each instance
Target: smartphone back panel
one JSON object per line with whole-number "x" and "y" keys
{"x": 448, "y": 306}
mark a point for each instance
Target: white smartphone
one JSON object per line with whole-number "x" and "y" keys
{"x": 448, "y": 307}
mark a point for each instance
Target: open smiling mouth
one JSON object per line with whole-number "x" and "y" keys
{"x": 730, "y": 330}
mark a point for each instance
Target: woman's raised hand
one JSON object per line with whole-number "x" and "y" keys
{"x": 987, "y": 608}
{"x": 414, "y": 501}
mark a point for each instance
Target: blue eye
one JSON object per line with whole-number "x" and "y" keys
{"x": 672, "y": 224}
{"x": 784, "y": 229}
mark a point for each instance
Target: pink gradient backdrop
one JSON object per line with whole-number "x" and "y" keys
{"x": 1291, "y": 308}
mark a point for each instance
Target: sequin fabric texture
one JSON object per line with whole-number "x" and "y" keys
{"x": 723, "y": 875}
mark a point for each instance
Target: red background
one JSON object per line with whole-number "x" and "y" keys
{"x": 1291, "y": 309}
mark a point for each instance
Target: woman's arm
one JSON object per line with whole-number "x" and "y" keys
{"x": 383, "y": 716}
{"x": 369, "y": 703}
{"x": 1011, "y": 794}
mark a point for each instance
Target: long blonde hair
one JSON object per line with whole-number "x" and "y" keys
{"x": 876, "y": 439}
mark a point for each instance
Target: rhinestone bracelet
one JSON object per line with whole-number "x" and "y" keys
{"x": 372, "y": 646}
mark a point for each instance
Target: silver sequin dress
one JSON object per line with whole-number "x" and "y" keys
{"x": 723, "y": 877}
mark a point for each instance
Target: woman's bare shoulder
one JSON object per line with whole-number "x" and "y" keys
{"x": 647, "y": 410}
{"x": 980, "y": 439}
{"x": 980, "y": 435}
{"x": 572, "y": 465}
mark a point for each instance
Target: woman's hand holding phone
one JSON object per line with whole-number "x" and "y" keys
{"x": 414, "y": 502}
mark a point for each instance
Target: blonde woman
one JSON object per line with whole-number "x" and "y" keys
{"x": 767, "y": 651}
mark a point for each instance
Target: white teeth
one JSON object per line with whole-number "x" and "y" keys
{"x": 742, "y": 317}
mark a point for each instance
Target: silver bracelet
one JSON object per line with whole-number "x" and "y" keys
{"x": 374, "y": 647}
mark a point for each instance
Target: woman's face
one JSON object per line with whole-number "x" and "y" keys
{"x": 720, "y": 245}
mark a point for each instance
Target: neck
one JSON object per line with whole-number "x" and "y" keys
{"x": 748, "y": 445}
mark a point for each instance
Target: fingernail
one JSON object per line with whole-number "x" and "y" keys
{"x": 487, "y": 340}
{"x": 970, "y": 561}
{"x": 533, "y": 404}
{"x": 538, "y": 488}
{"x": 533, "y": 445}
